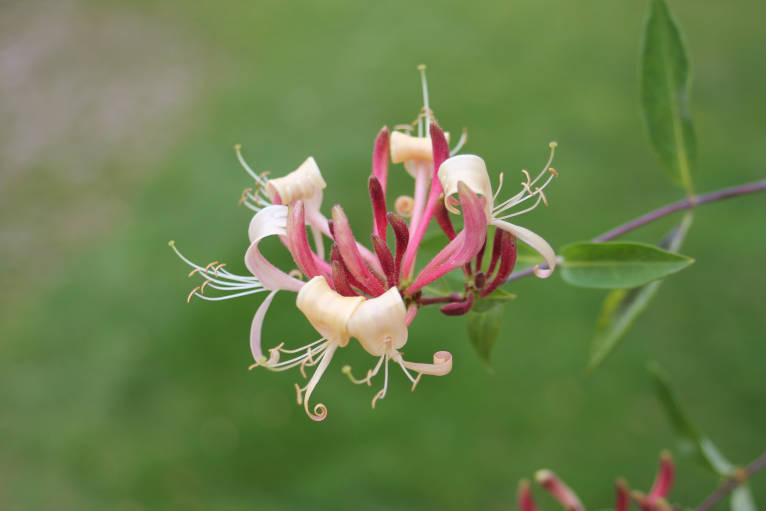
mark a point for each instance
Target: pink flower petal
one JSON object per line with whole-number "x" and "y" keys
{"x": 270, "y": 221}
{"x": 380, "y": 158}
{"x": 378, "y": 199}
{"x": 257, "y": 327}
{"x": 350, "y": 254}
{"x": 559, "y": 490}
{"x": 524, "y": 497}
{"x": 664, "y": 479}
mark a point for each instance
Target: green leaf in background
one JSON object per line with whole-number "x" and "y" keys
{"x": 483, "y": 322}
{"x": 665, "y": 95}
{"x": 623, "y": 306}
{"x": 691, "y": 439}
{"x": 618, "y": 265}
{"x": 742, "y": 499}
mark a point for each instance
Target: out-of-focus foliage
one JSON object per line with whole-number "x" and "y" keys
{"x": 116, "y": 394}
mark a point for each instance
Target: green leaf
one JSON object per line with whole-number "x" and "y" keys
{"x": 691, "y": 438}
{"x": 665, "y": 95}
{"x": 484, "y": 327}
{"x": 496, "y": 298}
{"x": 742, "y": 499}
{"x": 618, "y": 265}
{"x": 623, "y": 306}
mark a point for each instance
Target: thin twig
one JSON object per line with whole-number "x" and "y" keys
{"x": 690, "y": 203}
{"x": 729, "y": 486}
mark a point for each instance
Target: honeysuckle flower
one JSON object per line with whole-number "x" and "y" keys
{"x": 653, "y": 501}
{"x": 354, "y": 292}
{"x": 472, "y": 171}
{"x": 378, "y": 323}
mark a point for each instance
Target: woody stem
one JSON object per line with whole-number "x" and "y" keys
{"x": 689, "y": 203}
{"x": 729, "y": 486}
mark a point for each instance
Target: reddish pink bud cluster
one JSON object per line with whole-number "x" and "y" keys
{"x": 653, "y": 501}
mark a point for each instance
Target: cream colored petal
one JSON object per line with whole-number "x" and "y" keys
{"x": 533, "y": 240}
{"x": 327, "y": 311}
{"x": 304, "y": 182}
{"x": 380, "y": 323}
{"x": 471, "y": 170}
{"x": 405, "y": 147}
{"x": 441, "y": 366}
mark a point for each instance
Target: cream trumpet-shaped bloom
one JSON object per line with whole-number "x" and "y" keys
{"x": 471, "y": 170}
{"x": 378, "y": 323}
{"x": 305, "y": 182}
{"x": 380, "y": 326}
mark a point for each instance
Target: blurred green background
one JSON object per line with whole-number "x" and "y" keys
{"x": 118, "y": 121}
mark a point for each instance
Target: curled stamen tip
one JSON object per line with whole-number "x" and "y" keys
{"x": 553, "y": 171}
{"x": 553, "y": 145}
{"x": 188, "y": 298}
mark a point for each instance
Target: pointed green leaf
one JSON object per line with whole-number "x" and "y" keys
{"x": 623, "y": 306}
{"x": 618, "y": 265}
{"x": 484, "y": 327}
{"x": 665, "y": 95}
{"x": 690, "y": 436}
{"x": 742, "y": 499}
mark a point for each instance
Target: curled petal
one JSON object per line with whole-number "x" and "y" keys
{"x": 442, "y": 364}
{"x": 469, "y": 169}
{"x": 327, "y": 311}
{"x": 458, "y": 308}
{"x": 463, "y": 247}
{"x": 524, "y": 497}
{"x": 533, "y": 240}
{"x": 559, "y": 490}
{"x": 405, "y": 148}
{"x": 269, "y": 221}
{"x": 302, "y": 183}
{"x": 257, "y": 327}
{"x": 379, "y": 323}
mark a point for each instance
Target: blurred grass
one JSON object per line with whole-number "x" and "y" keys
{"x": 117, "y": 394}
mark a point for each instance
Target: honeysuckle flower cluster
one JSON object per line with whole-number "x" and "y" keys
{"x": 373, "y": 294}
{"x": 655, "y": 500}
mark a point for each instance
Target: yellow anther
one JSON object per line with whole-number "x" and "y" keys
{"x": 188, "y": 298}
{"x": 542, "y": 196}
{"x": 529, "y": 179}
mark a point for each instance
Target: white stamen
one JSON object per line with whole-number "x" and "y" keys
{"x": 460, "y": 143}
